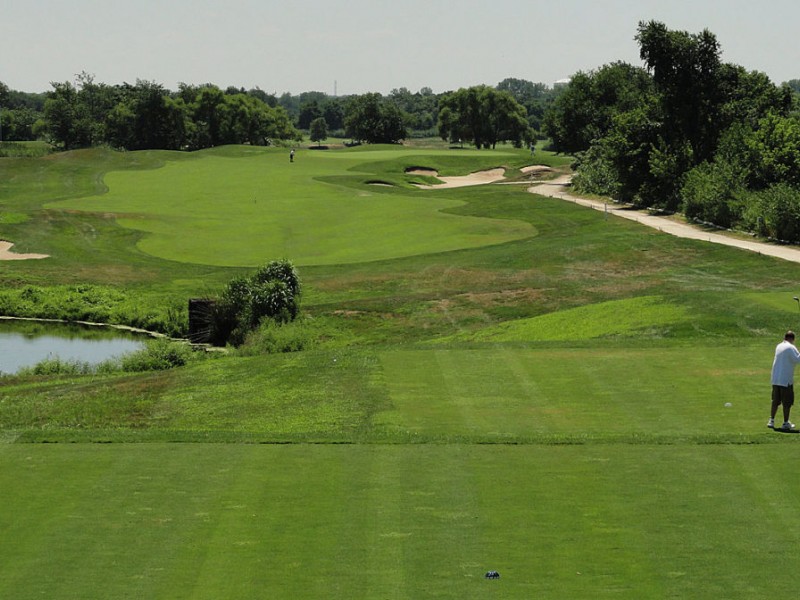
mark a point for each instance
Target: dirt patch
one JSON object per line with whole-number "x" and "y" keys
{"x": 6, "y": 254}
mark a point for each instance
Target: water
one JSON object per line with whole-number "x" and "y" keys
{"x": 25, "y": 343}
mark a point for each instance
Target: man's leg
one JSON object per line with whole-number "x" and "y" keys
{"x": 776, "y": 401}
{"x": 788, "y": 402}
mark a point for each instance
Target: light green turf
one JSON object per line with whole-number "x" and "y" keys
{"x": 659, "y": 392}
{"x": 223, "y": 522}
{"x": 628, "y": 317}
{"x": 511, "y": 392}
{"x": 243, "y": 211}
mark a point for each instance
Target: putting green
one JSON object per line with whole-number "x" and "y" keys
{"x": 245, "y": 210}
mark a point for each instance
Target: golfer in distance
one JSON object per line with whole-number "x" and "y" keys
{"x": 786, "y": 357}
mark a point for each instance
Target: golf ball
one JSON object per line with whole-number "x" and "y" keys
{"x": 728, "y": 405}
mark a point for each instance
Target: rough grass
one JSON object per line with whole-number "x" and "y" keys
{"x": 640, "y": 316}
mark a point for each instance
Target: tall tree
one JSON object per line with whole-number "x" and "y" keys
{"x": 482, "y": 115}
{"x": 370, "y": 119}
{"x": 318, "y": 130}
{"x": 65, "y": 117}
{"x": 686, "y": 71}
{"x": 585, "y": 110}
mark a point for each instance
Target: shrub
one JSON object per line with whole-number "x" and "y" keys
{"x": 280, "y": 270}
{"x": 713, "y": 194}
{"x": 775, "y": 213}
{"x": 56, "y": 366}
{"x": 157, "y": 355}
{"x": 272, "y": 292}
{"x": 595, "y": 174}
{"x": 274, "y": 338}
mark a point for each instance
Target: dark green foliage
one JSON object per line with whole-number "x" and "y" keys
{"x": 318, "y": 130}
{"x": 535, "y": 97}
{"x": 157, "y": 355}
{"x": 775, "y": 213}
{"x": 586, "y": 110}
{"x": 147, "y": 116}
{"x": 483, "y": 116}
{"x": 690, "y": 133}
{"x": 595, "y": 173}
{"x": 775, "y": 148}
{"x": 281, "y": 270}
{"x": 370, "y": 118}
{"x": 712, "y": 194}
{"x": 56, "y": 366}
{"x": 95, "y": 304}
{"x": 272, "y": 292}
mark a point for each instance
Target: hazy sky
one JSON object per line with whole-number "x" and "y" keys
{"x": 357, "y": 46}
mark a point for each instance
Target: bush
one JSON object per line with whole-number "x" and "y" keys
{"x": 157, "y": 355}
{"x": 775, "y": 213}
{"x": 56, "y": 366}
{"x": 95, "y": 303}
{"x": 713, "y": 194}
{"x": 272, "y": 292}
{"x": 595, "y": 174}
{"x": 280, "y": 270}
{"x": 275, "y": 338}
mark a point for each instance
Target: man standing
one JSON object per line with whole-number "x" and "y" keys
{"x": 786, "y": 357}
{"x": 291, "y": 155}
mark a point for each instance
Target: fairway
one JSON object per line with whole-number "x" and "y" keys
{"x": 240, "y": 211}
{"x": 229, "y": 521}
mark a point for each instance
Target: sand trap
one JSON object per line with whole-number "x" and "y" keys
{"x": 6, "y": 254}
{"x": 536, "y": 169}
{"x": 420, "y": 171}
{"x": 478, "y": 178}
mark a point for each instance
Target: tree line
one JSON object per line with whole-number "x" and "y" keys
{"x": 686, "y": 132}
{"x": 145, "y": 115}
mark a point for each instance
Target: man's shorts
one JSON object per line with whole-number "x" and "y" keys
{"x": 783, "y": 394}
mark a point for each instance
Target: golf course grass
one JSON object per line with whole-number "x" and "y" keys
{"x": 489, "y": 380}
{"x": 241, "y": 209}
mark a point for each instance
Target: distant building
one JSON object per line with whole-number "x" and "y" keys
{"x": 562, "y": 83}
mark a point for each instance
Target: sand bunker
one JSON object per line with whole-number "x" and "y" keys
{"x": 535, "y": 169}
{"x": 6, "y": 254}
{"x": 478, "y": 178}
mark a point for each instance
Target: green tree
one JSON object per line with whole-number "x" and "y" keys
{"x": 483, "y": 116}
{"x": 318, "y": 131}
{"x": 206, "y": 114}
{"x": 65, "y": 117}
{"x": 371, "y": 119}
{"x": 585, "y": 110}
{"x": 147, "y": 118}
{"x": 272, "y": 292}
{"x": 333, "y": 113}
{"x": 687, "y": 73}
{"x": 309, "y": 111}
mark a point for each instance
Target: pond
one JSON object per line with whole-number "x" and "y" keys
{"x": 25, "y": 343}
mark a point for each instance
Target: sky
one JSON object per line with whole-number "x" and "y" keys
{"x": 356, "y": 46}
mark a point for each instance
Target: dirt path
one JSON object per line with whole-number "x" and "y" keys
{"x": 559, "y": 188}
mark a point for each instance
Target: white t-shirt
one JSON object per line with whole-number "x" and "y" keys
{"x": 786, "y": 357}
